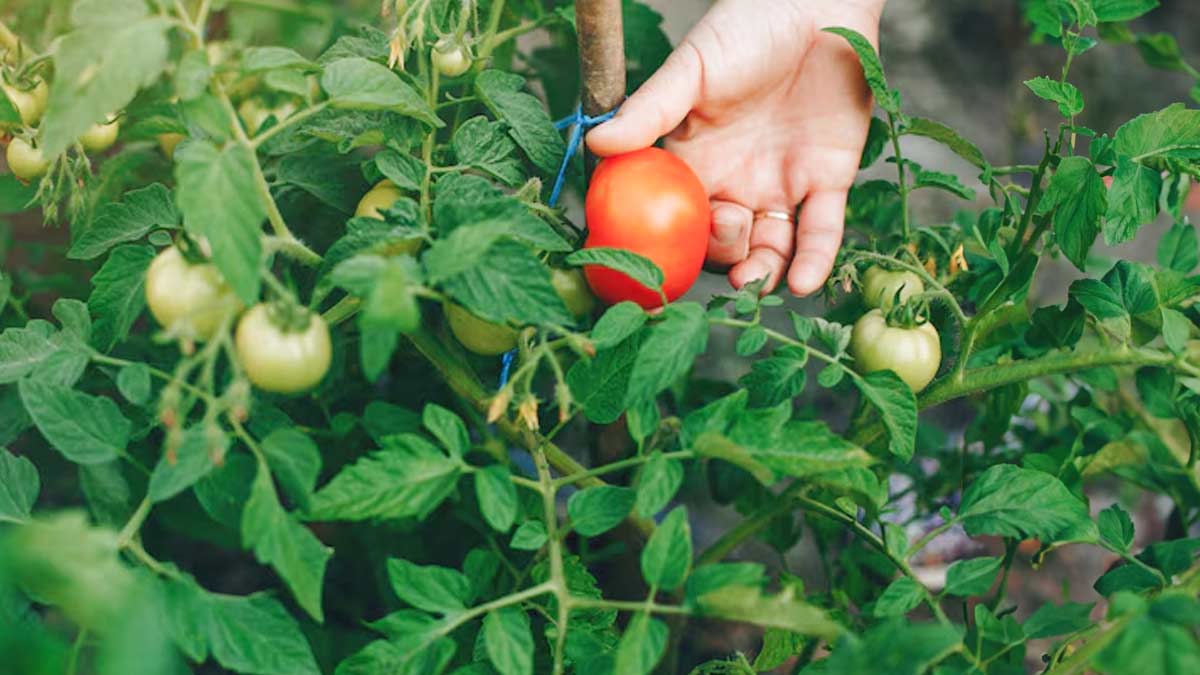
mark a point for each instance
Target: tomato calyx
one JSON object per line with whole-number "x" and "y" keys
{"x": 288, "y": 316}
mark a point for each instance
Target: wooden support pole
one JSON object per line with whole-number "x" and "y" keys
{"x": 601, "y": 54}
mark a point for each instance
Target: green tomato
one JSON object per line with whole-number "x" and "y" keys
{"x": 915, "y": 354}
{"x": 880, "y": 287}
{"x": 168, "y": 142}
{"x": 283, "y": 360}
{"x": 30, "y": 103}
{"x": 574, "y": 291}
{"x": 379, "y": 198}
{"x": 100, "y": 137}
{"x": 190, "y": 299}
{"x": 451, "y": 57}
{"x": 481, "y": 337}
{"x": 26, "y": 161}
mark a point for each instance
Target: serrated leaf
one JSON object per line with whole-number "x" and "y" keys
{"x": 19, "y": 487}
{"x": 1078, "y": 199}
{"x": 509, "y": 641}
{"x": 118, "y": 294}
{"x": 668, "y": 554}
{"x": 657, "y": 484}
{"x": 359, "y": 84}
{"x": 85, "y": 429}
{"x": 636, "y": 267}
{"x": 219, "y": 203}
{"x": 429, "y": 587}
{"x": 887, "y": 98}
{"x": 597, "y": 510}
{"x": 178, "y": 471}
{"x": 280, "y": 541}
{"x": 899, "y": 598}
{"x": 1007, "y": 500}
{"x": 641, "y": 646}
{"x": 897, "y": 408}
{"x": 139, "y": 212}
{"x": 966, "y": 578}
{"x": 1065, "y": 94}
{"x": 497, "y": 497}
{"x": 1132, "y": 201}
{"x": 529, "y": 123}
{"x": 1115, "y": 528}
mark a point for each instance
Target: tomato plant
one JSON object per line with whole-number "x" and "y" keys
{"x": 324, "y": 390}
{"x": 650, "y": 203}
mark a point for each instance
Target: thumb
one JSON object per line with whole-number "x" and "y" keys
{"x": 655, "y": 109}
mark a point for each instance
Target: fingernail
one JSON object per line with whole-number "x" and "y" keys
{"x": 727, "y": 224}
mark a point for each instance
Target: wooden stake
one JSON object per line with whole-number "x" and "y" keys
{"x": 601, "y": 54}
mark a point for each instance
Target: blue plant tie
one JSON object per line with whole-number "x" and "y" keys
{"x": 506, "y": 362}
{"x": 578, "y": 123}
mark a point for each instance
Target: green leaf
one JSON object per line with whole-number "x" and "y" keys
{"x": 1116, "y": 529}
{"x": 657, "y": 484}
{"x": 1150, "y": 645}
{"x": 895, "y": 647}
{"x": 484, "y": 145}
{"x": 1132, "y": 201}
{"x": 139, "y": 212}
{"x": 888, "y": 99}
{"x": 778, "y": 646}
{"x": 1010, "y": 501}
{"x": 19, "y": 487}
{"x": 22, "y": 350}
{"x": 257, "y": 59}
{"x": 1173, "y": 131}
{"x": 1098, "y": 299}
{"x": 497, "y": 497}
{"x": 965, "y": 578}
{"x": 669, "y": 350}
{"x": 714, "y": 576}
{"x": 1161, "y": 50}
{"x": 359, "y": 84}
{"x": 529, "y": 123}
{"x": 118, "y": 294}
{"x": 1077, "y": 197}
{"x": 448, "y": 428}
{"x": 530, "y": 536}
{"x": 1122, "y": 10}
{"x": 600, "y": 384}
{"x": 133, "y": 381}
{"x": 280, "y": 541}
{"x": 618, "y": 322}
{"x": 509, "y": 641}
{"x": 934, "y": 130}
{"x": 636, "y": 267}
{"x": 597, "y": 510}
{"x": 1176, "y": 328}
{"x": 295, "y": 462}
{"x": 781, "y": 377}
{"x": 85, "y": 429}
{"x": 668, "y": 554}
{"x": 878, "y": 135}
{"x": 899, "y": 598}
{"x": 642, "y": 645}
{"x": 741, "y": 603}
{"x": 510, "y": 284}
{"x": 191, "y": 461}
{"x": 251, "y": 634}
{"x": 431, "y": 588}
{"x": 1178, "y": 249}
{"x": 408, "y": 478}
{"x": 1068, "y": 98}
{"x": 897, "y": 408}
{"x": 98, "y": 67}
{"x": 1052, "y": 620}
{"x": 219, "y": 203}
{"x": 409, "y": 655}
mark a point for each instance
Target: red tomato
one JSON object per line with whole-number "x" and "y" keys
{"x": 651, "y": 203}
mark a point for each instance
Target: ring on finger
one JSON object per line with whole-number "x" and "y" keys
{"x": 785, "y": 216}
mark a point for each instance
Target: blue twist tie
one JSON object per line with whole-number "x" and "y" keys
{"x": 506, "y": 362}
{"x": 578, "y": 123}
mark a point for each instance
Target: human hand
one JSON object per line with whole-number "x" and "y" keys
{"x": 771, "y": 113}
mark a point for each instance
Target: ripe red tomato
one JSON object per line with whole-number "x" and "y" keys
{"x": 651, "y": 203}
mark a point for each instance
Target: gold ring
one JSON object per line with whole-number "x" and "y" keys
{"x": 774, "y": 215}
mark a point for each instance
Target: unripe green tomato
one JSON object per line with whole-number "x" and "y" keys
{"x": 450, "y": 57}
{"x": 30, "y": 104}
{"x": 915, "y": 354}
{"x": 280, "y": 360}
{"x": 574, "y": 291}
{"x": 168, "y": 142}
{"x": 100, "y": 137}
{"x": 379, "y": 198}
{"x": 25, "y": 161}
{"x": 190, "y": 298}
{"x": 880, "y": 287}
{"x": 481, "y": 337}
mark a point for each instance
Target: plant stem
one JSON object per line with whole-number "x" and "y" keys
{"x": 76, "y": 649}
{"x": 464, "y": 383}
{"x": 135, "y": 523}
{"x": 285, "y": 124}
{"x": 903, "y": 183}
{"x": 618, "y": 466}
{"x": 630, "y": 606}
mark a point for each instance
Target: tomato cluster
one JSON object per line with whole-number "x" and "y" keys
{"x": 913, "y": 352}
